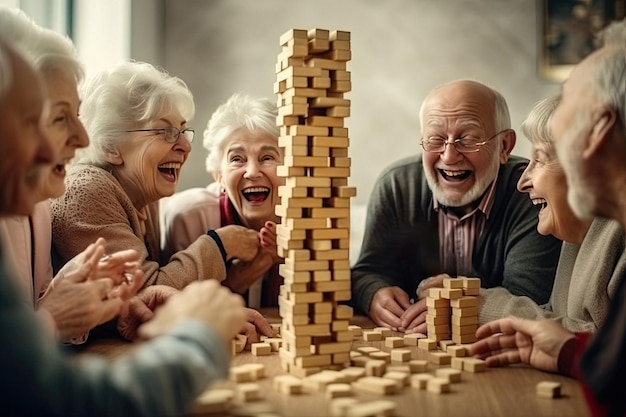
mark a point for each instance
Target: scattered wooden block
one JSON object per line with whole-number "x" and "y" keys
{"x": 213, "y": 401}
{"x": 353, "y": 373}
{"x": 418, "y": 365}
{"x": 338, "y": 390}
{"x": 451, "y": 374}
{"x": 548, "y": 389}
{"x": 419, "y": 381}
{"x": 357, "y": 331}
{"x": 394, "y": 342}
{"x": 372, "y": 336}
{"x": 375, "y": 367}
{"x": 379, "y": 408}
{"x": 400, "y": 355}
{"x": 474, "y": 365}
{"x": 376, "y": 385}
{"x": 367, "y": 350}
{"x": 411, "y": 339}
{"x": 437, "y": 385}
{"x": 240, "y": 343}
{"x": 256, "y": 370}
{"x": 427, "y": 344}
{"x": 401, "y": 378}
{"x": 339, "y": 406}
{"x": 457, "y": 351}
{"x": 249, "y": 391}
{"x": 261, "y": 349}
{"x": 386, "y": 332}
{"x": 384, "y": 356}
{"x": 241, "y": 374}
{"x": 287, "y": 384}
{"x": 440, "y": 358}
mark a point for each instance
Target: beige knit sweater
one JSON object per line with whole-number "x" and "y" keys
{"x": 95, "y": 205}
{"x": 586, "y": 280}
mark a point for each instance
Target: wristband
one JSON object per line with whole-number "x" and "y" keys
{"x": 213, "y": 234}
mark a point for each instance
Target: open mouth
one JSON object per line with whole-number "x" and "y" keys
{"x": 454, "y": 175}
{"x": 541, "y": 202}
{"x": 169, "y": 170}
{"x": 256, "y": 194}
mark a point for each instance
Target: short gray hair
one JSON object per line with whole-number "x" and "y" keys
{"x": 608, "y": 79}
{"x": 45, "y": 49}
{"x": 238, "y": 112}
{"x": 536, "y": 126}
{"x": 6, "y": 70}
{"x": 127, "y": 96}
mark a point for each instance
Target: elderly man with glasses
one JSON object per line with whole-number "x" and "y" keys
{"x": 454, "y": 210}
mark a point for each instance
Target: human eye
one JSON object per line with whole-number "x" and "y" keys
{"x": 235, "y": 159}
{"x": 59, "y": 119}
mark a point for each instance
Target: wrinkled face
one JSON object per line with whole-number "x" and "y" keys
{"x": 248, "y": 174}
{"x": 545, "y": 183}
{"x": 458, "y": 179}
{"x": 570, "y": 125}
{"x": 150, "y": 166}
{"x": 63, "y": 127}
{"x": 25, "y": 149}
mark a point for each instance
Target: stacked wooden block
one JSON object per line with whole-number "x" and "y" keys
{"x": 314, "y": 234}
{"x": 453, "y": 310}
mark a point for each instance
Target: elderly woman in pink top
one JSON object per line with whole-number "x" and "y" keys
{"x": 243, "y": 153}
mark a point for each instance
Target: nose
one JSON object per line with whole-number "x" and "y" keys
{"x": 450, "y": 155}
{"x": 252, "y": 169}
{"x": 524, "y": 185}
{"x": 182, "y": 144}
{"x": 79, "y": 137}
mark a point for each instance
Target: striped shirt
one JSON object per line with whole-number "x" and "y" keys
{"x": 458, "y": 236}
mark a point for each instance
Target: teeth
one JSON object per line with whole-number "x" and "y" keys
{"x": 256, "y": 190}
{"x": 453, "y": 173}
{"x": 540, "y": 201}
{"x": 170, "y": 165}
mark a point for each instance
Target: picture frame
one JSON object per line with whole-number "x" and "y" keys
{"x": 568, "y": 32}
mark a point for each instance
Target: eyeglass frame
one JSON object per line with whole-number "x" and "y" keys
{"x": 454, "y": 142}
{"x": 163, "y": 130}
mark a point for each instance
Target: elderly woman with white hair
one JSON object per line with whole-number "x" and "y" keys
{"x": 136, "y": 116}
{"x": 241, "y": 139}
{"x": 67, "y": 301}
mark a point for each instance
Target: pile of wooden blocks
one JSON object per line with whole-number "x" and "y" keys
{"x": 314, "y": 234}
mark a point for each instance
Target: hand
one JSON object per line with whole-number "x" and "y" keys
{"x": 255, "y": 327}
{"x": 387, "y": 307}
{"x": 414, "y": 318}
{"x": 207, "y": 301}
{"x": 435, "y": 281}
{"x": 513, "y": 340}
{"x": 239, "y": 242}
{"x": 140, "y": 309}
{"x": 268, "y": 241}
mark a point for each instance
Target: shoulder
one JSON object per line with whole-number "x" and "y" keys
{"x": 191, "y": 199}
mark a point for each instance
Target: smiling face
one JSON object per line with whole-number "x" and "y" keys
{"x": 544, "y": 181}
{"x": 248, "y": 174}
{"x": 25, "y": 149}
{"x": 148, "y": 167}
{"x": 461, "y": 110}
{"x": 63, "y": 127}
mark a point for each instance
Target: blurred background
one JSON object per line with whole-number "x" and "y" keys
{"x": 401, "y": 49}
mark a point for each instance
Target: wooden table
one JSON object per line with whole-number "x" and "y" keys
{"x": 508, "y": 391}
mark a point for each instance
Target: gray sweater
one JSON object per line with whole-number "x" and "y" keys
{"x": 401, "y": 240}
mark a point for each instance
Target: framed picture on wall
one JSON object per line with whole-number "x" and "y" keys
{"x": 568, "y": 32}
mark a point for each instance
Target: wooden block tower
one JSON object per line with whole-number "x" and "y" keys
{"x": 314, "y": 234}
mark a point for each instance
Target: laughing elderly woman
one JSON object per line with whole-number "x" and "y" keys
{"x": 592, "y": 261}
{"x": 243, "y": 153}
{"x": 136, "y": 116}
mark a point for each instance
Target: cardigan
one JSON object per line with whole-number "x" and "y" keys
{"x": 95, "y": 205}
{"x": 401, "y": 240}
{"x": 586, "y": 281}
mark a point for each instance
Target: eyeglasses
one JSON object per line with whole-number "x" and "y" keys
{"x": 463, "y": 145}
{"x": 170, "y": 134}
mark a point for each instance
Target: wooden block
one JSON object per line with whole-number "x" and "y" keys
{"x": 460, "y": 339}
{"x": 213, "y": 401}
{"x": 344, "y": 312}
{"x": 451, "y": 374}
{"x": 319, "y": 82}
{"x": 401, "y": 378}
{"x": 339, "y": 406}
{"x": 337, "y": 111}
{"x": 353, "y": 372}
{"x": 444, "y": 344}
{"x": 318, "y": 34}
{"x": 317, "y": 45}
{"x": 287, "y": 384}
{"x": 434, "y": 302}
{"x": 464, "y": 321}
{"x": 418, "y": 366}
{"x": 340, "y": 86}
{"x": 293, "y": 34}
{"x": 339, "y": 35}
{"x": 420, "y": 381}
{"x": 376, "y": 385}
{"x": 400, "y": 355}
{"x": 378, "y": 408}
{"x": 385, "y": 331}
{"x": 307, "y": 182}
{"x": 340, "y": 44}
{"x": 248, "y": 392}
{"x": 471, "y": 291}
{"x": 438, "y": 385}
{"x": 465, "y": 312}
{"x": 357, "y": 331}
{"x": 474, "y": 365}
{"x": 399, "y": 368}
{"x": 340, "y": 75}
{"x": 393, "y": 341}
{"x": 240, "y": 374}
{"x": 548, "y": 389}
{"x": 470, "y": 282}
{"x": 375, "y": 367}
{"x": 464, "y": 302}
{"x": 456, "y": 351}
{"x": 434, "y": 293}
{"x": 411, "y": 339}
{"x": 261, "y": 349}
{"x": 256, "y": 370}
{"x": 457, "y": 363}
{"x": 427, "y": 344}
{"x": 274, "y": 342}
{"x": 437, "y": 320}
{"x": 367, "y": 350}
{"x": 383, "y": 356}
{"x": 464, "y": 330}
{"x": 452, "y": 283}
{"x": 323, "y": 63}
{"x": 372, "y": 336}
{"x": 440, "y": 358}
{"x": 338, "y": 390}
{"x": 452, "y": 293}
{"x": 240, "y": 343}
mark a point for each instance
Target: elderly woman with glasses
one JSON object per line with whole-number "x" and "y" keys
{"x": 136, "y": 116}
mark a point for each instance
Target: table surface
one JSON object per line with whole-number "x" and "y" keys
{"x": 507, "y": 391}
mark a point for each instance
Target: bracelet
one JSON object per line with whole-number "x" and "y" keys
{"x": 213, "y": 234}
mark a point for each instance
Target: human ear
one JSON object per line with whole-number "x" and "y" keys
{"x": 114, "y": 157}
{"x": 600, "y": 133}
{"x": 508, "y": 143}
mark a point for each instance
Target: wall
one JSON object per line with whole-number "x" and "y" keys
{"x": 400, "y": 49}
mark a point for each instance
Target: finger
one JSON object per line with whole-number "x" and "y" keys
{"x": 503, "y": 358}
{"x": 262, "y": 326}
{"x": 102, "y": 287}
{"x": 416, "y": 321}
{"x": 110, "y": 309}
{"x": 389, "y": 319}
{"x": 402, "y": 300}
